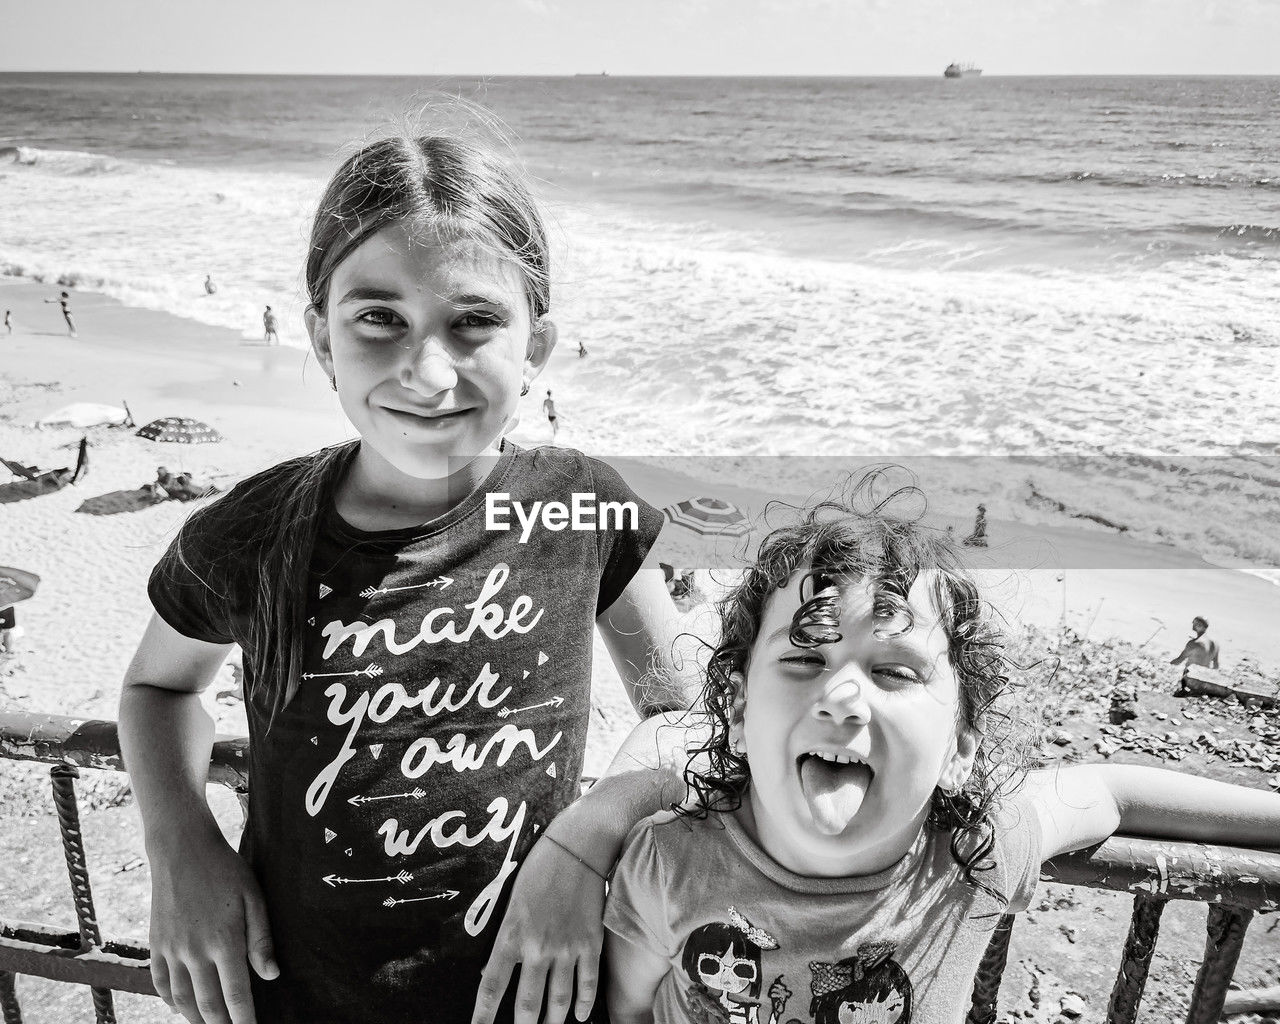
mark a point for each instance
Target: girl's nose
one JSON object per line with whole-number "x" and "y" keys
{"x": 430, "y": 371}
{"x": 844, "y": 698}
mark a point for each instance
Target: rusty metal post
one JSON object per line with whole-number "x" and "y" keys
{"x": 9, "y": 999}
{"x": 986, "y": 985}
{"x": 1224, "y": 935}
{"x": 1135, "y": 961}
{"x": 64, "y": 798}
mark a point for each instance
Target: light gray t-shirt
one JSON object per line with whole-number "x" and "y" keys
{"x": 750, "y": 942}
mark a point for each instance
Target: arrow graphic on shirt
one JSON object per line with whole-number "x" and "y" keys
{"x": 404, "y": 878}
{"x": 554, "y": 702}
{"x": 442, "y": 582}
{"x": 356, "y": 801}
{"x": 369, "y": 671}
{"x": 448, "y": 894}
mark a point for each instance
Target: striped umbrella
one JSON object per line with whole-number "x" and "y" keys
{"x": 709, "y": 517}
{"x": 16, "y": 585}
{"x": 179, "y": 430}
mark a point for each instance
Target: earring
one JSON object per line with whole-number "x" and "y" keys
{"x": 333, "y": 382}
{"x": 524, "y": 390}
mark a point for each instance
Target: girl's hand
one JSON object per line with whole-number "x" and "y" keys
{"x": 552, "y": 927}
{"x": 208, "y": 924}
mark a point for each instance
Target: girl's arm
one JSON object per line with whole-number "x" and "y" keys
{"x": 640, "y": 630}
{"x": 634, "y": 976}
{"x": 1085, "y": 804}
{"x": 208, "y": 920}
{"x": 553, "y": 925}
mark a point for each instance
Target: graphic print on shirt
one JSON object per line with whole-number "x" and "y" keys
{"x": 399, "y": 793}
{"x": 723, "y": 965}
{"x": 869, "y": 988}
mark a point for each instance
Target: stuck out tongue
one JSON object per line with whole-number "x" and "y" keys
{"x": 834, "y": 792}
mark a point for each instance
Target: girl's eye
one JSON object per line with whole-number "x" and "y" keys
{"x": 896, "y": 673}
{"x": 381, "y": 318}
{"x": 479, "y": 320}
{"x": 803, "y": 660}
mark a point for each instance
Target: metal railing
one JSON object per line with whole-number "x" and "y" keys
{"x": 82, "y": 957}
{"x": 1235, "y": 883}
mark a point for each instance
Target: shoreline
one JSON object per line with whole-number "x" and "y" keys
{"x": 271, "y": 403}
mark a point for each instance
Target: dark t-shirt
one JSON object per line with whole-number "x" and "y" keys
{"x": 438, "y": 727}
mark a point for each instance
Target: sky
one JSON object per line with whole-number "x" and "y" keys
{"x": 644, "y": 37}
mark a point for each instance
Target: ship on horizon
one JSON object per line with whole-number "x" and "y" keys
{"x": 962, "y": 71}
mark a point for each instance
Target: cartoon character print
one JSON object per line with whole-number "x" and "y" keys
{"x": 870, "y": 988}
{"x": 722, "y": 961}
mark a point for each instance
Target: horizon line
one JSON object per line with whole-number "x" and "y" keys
{"x": 612, "y": 74}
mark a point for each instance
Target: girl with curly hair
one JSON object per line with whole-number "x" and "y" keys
{"x": 861, "y": 799}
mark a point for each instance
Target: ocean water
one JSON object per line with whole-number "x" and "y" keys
{"x": 1048, "y": 269}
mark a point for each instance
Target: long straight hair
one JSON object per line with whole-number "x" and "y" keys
{"x": 438, "y": 187}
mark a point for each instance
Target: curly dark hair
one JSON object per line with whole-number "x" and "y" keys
{"x": 873, "y": 531}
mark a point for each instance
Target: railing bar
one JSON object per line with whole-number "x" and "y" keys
{"x": 986, "y": 985}
{"x": 89, "y": 969}
{"x": 64, "y": 798}
{"x": 9, "y": 1004}
{"x": 1224, "y": 935}
{"x": 1174, "y": 870}
{"x": 103, "y": 1006}
{"x": 64, "y": 943}
{"x": 95, "y": 743}
{"x": 1135, "y": 961}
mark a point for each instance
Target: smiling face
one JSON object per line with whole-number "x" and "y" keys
{"x": 430, "y": 342}
{"x": 847, "y": 741}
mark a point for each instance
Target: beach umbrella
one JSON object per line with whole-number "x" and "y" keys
{"x": 84, "y": 414}
{"x": 709, "y": 517}
{"x": 16, "y": 585}
{"x": 179, "y": 430}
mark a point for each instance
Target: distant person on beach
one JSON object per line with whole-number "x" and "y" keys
{"x": 978, "y": 539}
{"x": 269, "y": 325}
{"x": 8, "y": 321}
{"x": 549, "y": 407}
{"x": 184, "y": 488}
{"x": 9, "y": 632}
{"x": 64, "y": 300}
{"x": 367, "y": 891}
{"x": 209, "y": 286}
{"x": 82, "y": 461}
{"x": 159, "y": 489}
{"x": 836, "y": 836}
{"x": 1199, "y": 649}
